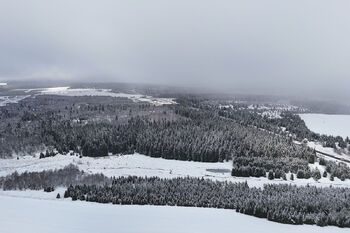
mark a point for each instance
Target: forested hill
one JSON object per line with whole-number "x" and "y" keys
{"x": 189, "y": 130}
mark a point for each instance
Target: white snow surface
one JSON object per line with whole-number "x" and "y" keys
{"x": 336, "y": 125}
{"x": 49, "y": 215}
{"x": 5, "y": 100}
{"x": 67, "y": 91}
{"x": 34, "y": 194}
{"x": 141, "y": 165}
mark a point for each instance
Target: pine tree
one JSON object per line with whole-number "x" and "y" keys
{"x": 316, "y": 174}
{"x": 325, "y": 174}
{"x": 291, "y": 176}
{"x": 300, "y": 174}
{"x": 311, "y": 159}
{"x": 284, "y": 177}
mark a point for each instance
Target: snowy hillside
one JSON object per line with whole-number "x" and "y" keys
{"x": 20, "y": 215}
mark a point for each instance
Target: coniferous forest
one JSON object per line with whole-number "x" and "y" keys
{"x": 194, "y": 129}
{"x": 280, "y": 203}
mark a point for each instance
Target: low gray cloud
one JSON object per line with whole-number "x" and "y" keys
{"x": 272, "y": 46}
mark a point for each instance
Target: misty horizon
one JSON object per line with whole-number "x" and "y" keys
{"x": 293, "y": 48}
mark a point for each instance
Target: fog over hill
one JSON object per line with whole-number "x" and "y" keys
{"x": 298, "y": 48}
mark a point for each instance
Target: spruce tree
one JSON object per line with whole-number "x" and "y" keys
{"x": 325, "y": 174}
{"x": 291, "y": 176}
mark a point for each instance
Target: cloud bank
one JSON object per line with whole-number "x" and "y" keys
{"x": 272, "y": 46}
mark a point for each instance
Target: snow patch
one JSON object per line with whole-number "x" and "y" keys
{"x": 5, "y": 100}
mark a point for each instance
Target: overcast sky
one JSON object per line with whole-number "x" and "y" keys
{"x": 266, "y": 46}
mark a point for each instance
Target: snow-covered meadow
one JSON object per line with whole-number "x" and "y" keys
{"x": 5, "y": 100}
{"x": 336, "y": 125}
{"x": 141, "y": 165}
{"x": 67, "y": 91}
{"x": 32, "y": 208}
{"x": 20, "y": 214}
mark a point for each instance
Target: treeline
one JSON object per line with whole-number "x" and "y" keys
{"x": 66, "y": 176}
{"x": 196, "y": 135}
{"x": 191, "y": 130}
{"x": 279, "y": 203}
{"x": 199, "y": 136}
{"x": 22, "y": 125}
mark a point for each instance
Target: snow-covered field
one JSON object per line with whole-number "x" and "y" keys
{"x": 19, "y": 214}
{"x": 38, "y": 211}
{"x": 67, "y": 91}
{"x": 336, "y": 125}
{"x": 4, "y": 100}
{"x": 141, "y": 165}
